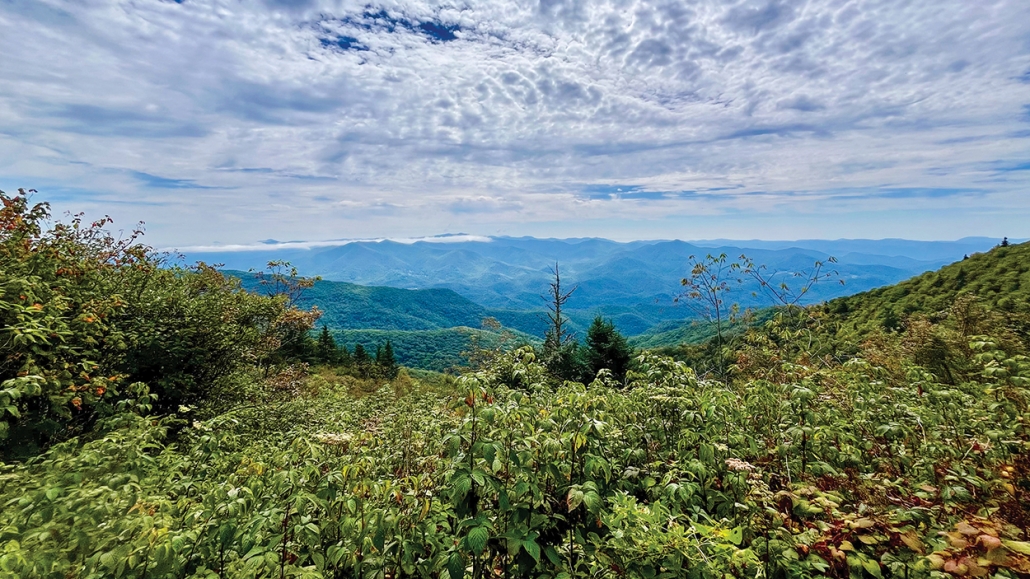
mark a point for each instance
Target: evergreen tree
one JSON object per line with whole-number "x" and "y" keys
{"x": 386, "y": 361}
{"x": 325, "y": 350}
{"x": 564, "y": 360}
{"x": 343, "y": 357}
{"x": 362, "y": 361}
{"x": 607, "y": 348}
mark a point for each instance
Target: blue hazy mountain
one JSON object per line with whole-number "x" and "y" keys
{"x": 633, "y": 283}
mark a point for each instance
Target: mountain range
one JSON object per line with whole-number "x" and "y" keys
{"x": 461, "y": 280}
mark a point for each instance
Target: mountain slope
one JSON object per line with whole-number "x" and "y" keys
{"x": 1000, "y": 279}
{"x": 352, "y": 306}
{"x": 437, "y": 350}
{"x": 506, "y": 273}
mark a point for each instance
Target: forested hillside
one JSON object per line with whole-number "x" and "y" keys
{"x": 347, "y": 306}
{"x": 442, "y": 350}
{"x": 999, "y": 279}
{"x": 163, "y": 423}
{"x": 633, "y": 284}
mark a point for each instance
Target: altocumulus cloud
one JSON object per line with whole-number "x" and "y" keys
{"x": 225, "y": 120}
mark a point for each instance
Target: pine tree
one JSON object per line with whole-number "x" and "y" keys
{"x": 607, "y": 348}
{"x": 386, "y": 361}
{"x": 325, "y": 350}
{"x": 362, "y": 361}
{"x": 343, "y": 357}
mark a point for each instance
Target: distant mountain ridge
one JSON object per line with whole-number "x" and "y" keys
{"x": 633, "y": 283}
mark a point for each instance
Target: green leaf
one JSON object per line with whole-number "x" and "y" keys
{"x": 552, "y": 555}
{"x": 593, "y": 501}
{"x": 109, "y": 561}
{"x": 477, "y": 539}
{"x": 1021, "y": 547}
{"x": 736, "y": 535}
{"x": 532, "y": 548}
{"x": 462, "y": 486}
{"x": 456, "y": 566}
{"x": 574, "y": 499}
{"x": 872, "y": 567}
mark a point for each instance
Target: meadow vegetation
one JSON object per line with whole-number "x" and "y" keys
{"x": 162, "y": 422}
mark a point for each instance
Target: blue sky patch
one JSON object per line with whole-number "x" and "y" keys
{"x": 382, "y": 21}
{"x": 165, "y": 183}
{"x": 1012, "y": 167}
{"x": 343, "y": 43}
{"x": 608, "y": 191}
{"x": 438, "y": 31}
{"x": 922, "y": 193}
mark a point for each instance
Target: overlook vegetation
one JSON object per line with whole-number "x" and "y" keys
{"x": 163, "y": 422}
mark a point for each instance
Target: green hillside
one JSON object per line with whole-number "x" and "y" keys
{"x": 437, "y": 350}
{"x": 348, "y": 306}
{"x": 999, "y": 278}
{"x": 352, "y": 306}
{"x": 674, "y": 333}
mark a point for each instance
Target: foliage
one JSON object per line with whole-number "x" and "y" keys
{"x": 386, "y": 361}
{"x": 326, "y": 350}
{"x": 84, "y": 314}
{"x": 669, "y": 335}
{"x": 905, "y": 455}
{"x": 606, "y": 349}
{"x": 435, "y": 350}
{"x": 705, "y": 289}
{"x": 1000, "y": 280}
{"x": 842, "y": 472}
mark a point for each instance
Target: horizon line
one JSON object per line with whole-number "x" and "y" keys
{"x": 445, "y": 238}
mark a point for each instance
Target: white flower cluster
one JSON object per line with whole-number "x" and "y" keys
{"x": 737, "y": 465}
{"x": 334, "y": 439}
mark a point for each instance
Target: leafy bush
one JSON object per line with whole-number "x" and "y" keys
{"x": 82, "y": 314}
{"x": 836, "y": 472}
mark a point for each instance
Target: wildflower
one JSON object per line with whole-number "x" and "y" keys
{"x": 334, "y": 439}
{"x": 737, "y": 465}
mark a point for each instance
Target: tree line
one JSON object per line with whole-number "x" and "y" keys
{"x": 325, "y": 351}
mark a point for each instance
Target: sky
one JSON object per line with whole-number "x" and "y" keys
{"x": 233, "y": 121}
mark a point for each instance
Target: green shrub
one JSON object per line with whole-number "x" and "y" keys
{"x": 83, "y": 313}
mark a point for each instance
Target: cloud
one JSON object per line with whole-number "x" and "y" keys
{"x": 273, "y": 245}
{"x": 238, "y": 118}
